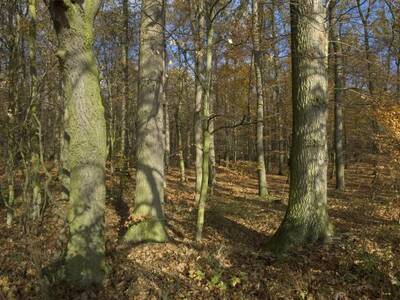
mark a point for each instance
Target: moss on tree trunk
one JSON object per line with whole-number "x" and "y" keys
{"x": 150, "y": 178}
{"x": 86, "y": 141}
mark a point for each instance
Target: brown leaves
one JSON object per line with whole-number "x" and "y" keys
{"x": 362, "y": 260}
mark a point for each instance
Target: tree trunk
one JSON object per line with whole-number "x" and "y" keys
{"x": 198, "y": 123}
{"x": 65, "y": 170}
{"x": 167, "y": 135}
{"x": 179, "y": 134}
{"x": 277, "y": 94}
{"x": 338, "y": 98}
{"x": 213, "y": 171}
{"x": 12, "y": 111}
{"x": 398, "y": 75}
{"x": 306, "y": 218}
{"x": 206, "y": 133}
{"x": 149, "y": 193}
{"x": 34, "y": 145}
{"x": 125, "y": 97}
{"x": 262, "y": 179}
{"x": 364, "y": 20}
{"x": 86, "y": 137}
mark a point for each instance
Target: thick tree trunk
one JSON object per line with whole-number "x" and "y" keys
{"x": 338, "y": 98}
{"x": 149, "y": 192}
{"x": 306, "y": 218}
{"x": 262, "y": 178}
{"x": 86, "y": 138}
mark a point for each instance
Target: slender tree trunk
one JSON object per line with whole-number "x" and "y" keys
{"x": 65, "y": 170}
{"x": 12, "y": 111}
{"x": 213, "y": 172}
{"x": 338, "y": 98}
{"x": 125, "y": 67}
{"x": 111, "y": 126}
{"x": 262, "y": 178}
{"x": 179, "y": 134}
{"x": 164, "y": 102}
{"x": 249, "y": 93}
{"x": 149, "y": 193}
{"x": 306, "y": 218}
{"x": 86, "y": 141}
{"x": 398, "y": 74}
{"x": 228, "y": 138}
{"x": 167, "y": 135}
{"x": 34, "y": 145}
{"x": 180, "y": 150}
{"x": 198, "y": 126}
{"x": 206, "y": 132}
{"x": 277, "y": 94}
{"x": 364, "y": 20}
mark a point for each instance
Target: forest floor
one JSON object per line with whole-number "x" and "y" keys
{"x": 361, "y": 262}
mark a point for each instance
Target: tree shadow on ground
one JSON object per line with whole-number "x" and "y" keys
{"x": 234, "y": 232}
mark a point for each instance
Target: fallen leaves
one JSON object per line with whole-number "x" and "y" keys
{"x": 361, "y": 261}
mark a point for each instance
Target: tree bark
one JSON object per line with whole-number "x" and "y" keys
{"x": 125, "y": 97}
{"x": 339, "y": 84}
{"x": 277, "y": 93}
{"x": 14, "y": 19}
{"x": 86, "y": 137}
{"x": 198, "y": 124}
{"x": 213, "y": 168}
{"x": 179, "y": 132}
{"x": 262, "y": 178}
{"x": 149, "y": 193}
{"x": 306, "y": 218}
{"x": 34, "y": 145}
{"x": 206, "y": 130}
{"x": 364, "y": 20}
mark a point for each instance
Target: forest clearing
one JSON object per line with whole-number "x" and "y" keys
{"x": 199, "y": 149}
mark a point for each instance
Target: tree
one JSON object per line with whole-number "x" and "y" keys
{"x": 198, "y": 32}
{"x": 209, "y": 33}
{"x": 125, "y": 57}
{"x": 276, "y": 90}
{"x": 14, "y": 42}
{"x": 306, "y": 218}
{"x": 365, "y": 22}
{"x": 339, "y": 84}
{"x": 149, "y": 193}
{"x": 86, "y": 135}
{"x": 262, "y": 178}
{"x": 35, "y": 139}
